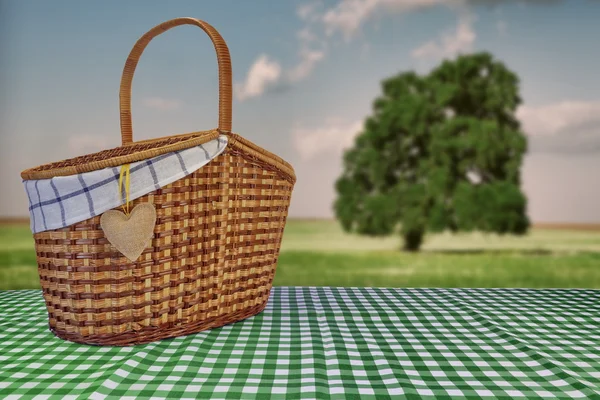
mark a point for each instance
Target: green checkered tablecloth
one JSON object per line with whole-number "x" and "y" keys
{"x": 320, "y": 343}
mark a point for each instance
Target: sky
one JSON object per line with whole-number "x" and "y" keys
{"x": 305, "y": 75}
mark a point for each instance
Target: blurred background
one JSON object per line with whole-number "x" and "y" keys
{"x": 436, "y": 143}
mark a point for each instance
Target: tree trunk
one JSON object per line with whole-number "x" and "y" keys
{"x": 413, "y": 240}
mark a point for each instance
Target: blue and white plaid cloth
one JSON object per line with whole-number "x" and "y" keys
{"x": 66, "y": 200}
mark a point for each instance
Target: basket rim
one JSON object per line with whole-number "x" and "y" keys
{"x": 187, "y": 140}
{"x": 162, "y": 146}
{"x": 255, "y": 151}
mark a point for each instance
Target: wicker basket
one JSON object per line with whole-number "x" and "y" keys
{"x": 215, "y": 245}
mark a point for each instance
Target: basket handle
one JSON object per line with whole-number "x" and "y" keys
{"x": 223, "y": 59}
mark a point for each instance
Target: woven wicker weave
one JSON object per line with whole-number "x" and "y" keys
{"x": 216, "y": 241}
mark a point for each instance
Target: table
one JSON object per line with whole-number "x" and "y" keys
{"x": 340, "y": 343}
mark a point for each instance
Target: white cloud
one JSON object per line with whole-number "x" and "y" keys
{"x": 564, "y": 127}
{"x": 501, "y": 27}
{"x": 308, "y": 55}
{"x": 330, "y": 139}
{"x": 345, "y": 17}
{"x": 265, "y": 73}
{"x": 306, "y": 35}
{"x": 159, "y": 103}
{"x": 308, "y": 60}
{"x": 559, "y": 118}
{"x": 348, "y": 16}
{"x": 308, "y": 11}
{"x": 450, "y": 43}
{"x": 262, "y": 74}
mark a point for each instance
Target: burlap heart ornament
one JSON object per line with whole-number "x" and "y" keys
{"x": 130, "y": 234}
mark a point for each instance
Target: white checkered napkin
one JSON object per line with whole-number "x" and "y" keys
{"x": 66, "y": 200}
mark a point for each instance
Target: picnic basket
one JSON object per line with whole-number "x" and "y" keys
{"x": 212, "y": 252}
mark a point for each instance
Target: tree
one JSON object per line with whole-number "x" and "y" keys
{"x": 439, "y": 152}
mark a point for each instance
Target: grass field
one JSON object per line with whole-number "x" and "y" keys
{"x": 318, "y": 253}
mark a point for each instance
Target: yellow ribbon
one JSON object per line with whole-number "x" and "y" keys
{"x": 125, "y": 173}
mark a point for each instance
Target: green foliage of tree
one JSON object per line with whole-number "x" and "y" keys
{"x": 439, "y": 152}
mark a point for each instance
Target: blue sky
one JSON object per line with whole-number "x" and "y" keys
{"x": 305, "y": 75}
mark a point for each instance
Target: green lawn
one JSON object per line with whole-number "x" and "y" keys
{"x": 318, "y": 253}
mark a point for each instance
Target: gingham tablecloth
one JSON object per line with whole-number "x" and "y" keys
{"x": 341, "y": 343}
